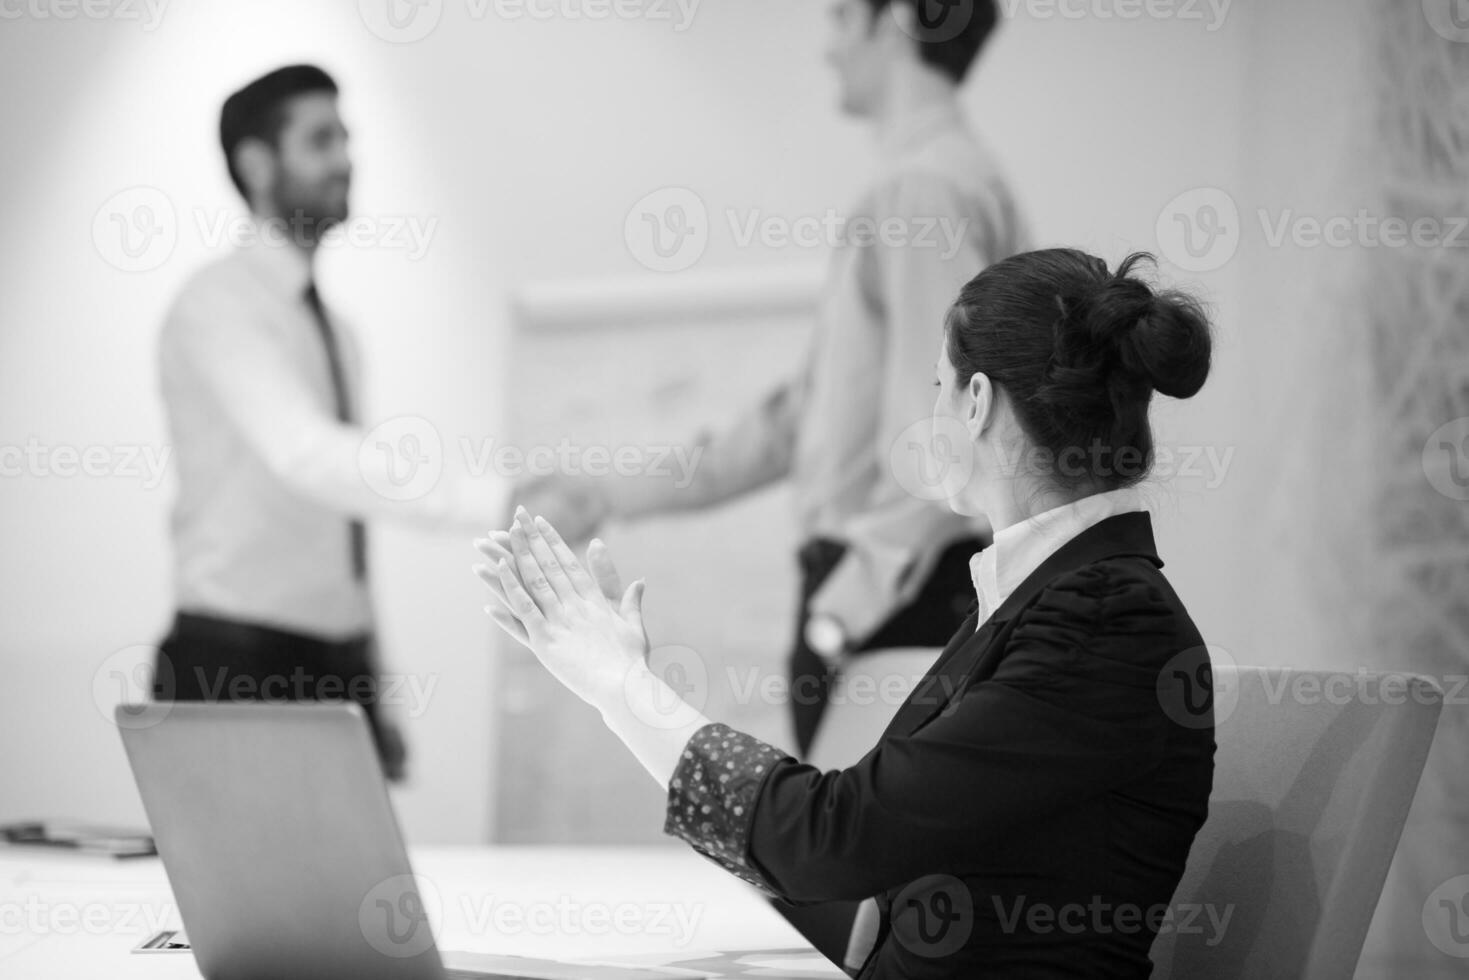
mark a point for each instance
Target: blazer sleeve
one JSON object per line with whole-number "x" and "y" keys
{"x": 1073, "y": 711}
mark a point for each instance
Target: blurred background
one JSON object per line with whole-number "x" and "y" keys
{"x": 505, "y": 153}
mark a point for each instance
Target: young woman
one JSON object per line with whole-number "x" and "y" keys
{"x": 1029, "y": 809}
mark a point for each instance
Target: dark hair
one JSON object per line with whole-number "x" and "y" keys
{"x": 1079, "y": 351}
{"x": 258, "y": 111}
{"x": 950, "y": 43}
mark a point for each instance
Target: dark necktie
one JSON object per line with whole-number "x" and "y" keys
{"x": 356, "y": 530}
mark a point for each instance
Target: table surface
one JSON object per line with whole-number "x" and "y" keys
{"x": 69, "y": 915}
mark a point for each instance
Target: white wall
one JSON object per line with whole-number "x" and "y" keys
{"x": 527, "y": 142}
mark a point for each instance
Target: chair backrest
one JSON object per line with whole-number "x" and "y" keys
{"x": 1313, "y": 778}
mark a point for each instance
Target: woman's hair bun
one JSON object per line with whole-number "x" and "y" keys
{"x": 1159, "y": 338}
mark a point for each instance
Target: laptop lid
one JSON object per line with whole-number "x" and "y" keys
{"x": 275, "y": 828}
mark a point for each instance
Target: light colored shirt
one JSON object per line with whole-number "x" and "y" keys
{"x": 1018, "y": 550}
{"x": 868, "y": 377}
{"x": 268, "y": 478}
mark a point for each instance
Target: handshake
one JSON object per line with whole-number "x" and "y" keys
{"x": 576, "y": 506}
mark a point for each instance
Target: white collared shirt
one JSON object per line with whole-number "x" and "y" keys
{"x": 268, "y": 477}
{"x": 1020, "y": 548}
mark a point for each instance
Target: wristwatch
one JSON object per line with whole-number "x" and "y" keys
{"x": 827, "y": 637}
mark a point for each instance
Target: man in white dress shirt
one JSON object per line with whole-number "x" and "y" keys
{"x": 262, "y": 387}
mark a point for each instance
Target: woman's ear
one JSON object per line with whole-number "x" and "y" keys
{"x": 980, "y": 408}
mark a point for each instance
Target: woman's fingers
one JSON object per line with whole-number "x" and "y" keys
{"x": 534, "y": 582}
{"x": 597, "y": 572}
{"x": 540, "y": 549}
{"x": 497, "y": 551}
{"x": 580, "y": 580}
{"x": 496, "y": 547}
{"x": 632, "y": 605}
{"x": 600, "y": 562}
{"x": 520, "y": 602}
{"x": 491, "y": 577}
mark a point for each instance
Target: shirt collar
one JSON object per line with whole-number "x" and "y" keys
{"x": 282, "y": 265}
{"x": 912, "y": 130}
{"x": 1018, "y": 550}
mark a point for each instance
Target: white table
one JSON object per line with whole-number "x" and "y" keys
{"x": 68, "y": 916}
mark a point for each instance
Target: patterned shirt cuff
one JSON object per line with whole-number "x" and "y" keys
{"x": 711, "y": 797}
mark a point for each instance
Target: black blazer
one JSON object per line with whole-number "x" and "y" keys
{"x": 1028, "y": 811}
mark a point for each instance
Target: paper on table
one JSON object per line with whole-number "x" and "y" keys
{"x": 537, "y": 969}
{"x": 804, "y": 965}
{"x": 787, "y": 963}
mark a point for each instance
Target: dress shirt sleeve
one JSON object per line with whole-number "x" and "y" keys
{"x": 1072, "y": 712}
{"x": 894, "y": 542}
{"x": 212, "y": 339}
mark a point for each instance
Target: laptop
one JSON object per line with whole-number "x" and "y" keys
{"x": 279, "y": 840}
